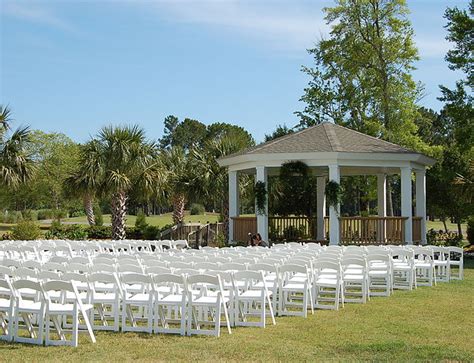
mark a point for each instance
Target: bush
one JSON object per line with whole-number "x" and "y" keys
{"x": 99, "y": 232}
{"x": 470, "y": 230}
{"x": 151, "y": 233}
{"x": 45, "y": 214}
{"x": 441, "y": 238}
{"x": 30, "y": 215}
{"x": 76, "y": 213}
{"x": 26, "y": 231}
{"x": 72, "y": 232}
{"x": 140, "y": 222}
{"x": 133, "y": 233}
{"x": 197, "y": 209}
{"x": 98, "y": 216}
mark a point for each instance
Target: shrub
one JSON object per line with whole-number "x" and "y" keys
{"x": 98, "y": 216}
{"x": 197, "y": 209}
{"x": 133, "y": 233}
{"x": 26, "y": 231}
{"x": 140, "y": 222}
{"x": 470, "y": 230}
{"x": 45, "y": 214}
{"x": 72, "y": 232}
{"x": 76, "y": 213}
{"x": 99, "y": 232}
{"x": 30, "y": 215}
{"x": 441, "y": 238}
{"x": 59, "y": 214}
{"x": 151, "y": 233}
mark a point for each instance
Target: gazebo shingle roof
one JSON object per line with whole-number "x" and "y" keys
{"x": 325, "y": 137}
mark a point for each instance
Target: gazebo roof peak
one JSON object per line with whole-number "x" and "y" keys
{"x": 325, "y": 137}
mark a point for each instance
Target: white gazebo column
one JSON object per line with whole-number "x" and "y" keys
{"x": 406, "y": 198}
{"x": 381, "y": 195}
{"x": 334, "y": 175}
{"x": 381, "y": 205}
{"x": 233, "y": 201}
{"x": 320, "y": 207}
{"x": 262, "y": 219}
{"x": 420, "y": 204}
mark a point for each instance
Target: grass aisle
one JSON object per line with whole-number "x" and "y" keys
{"x": 426, "y": 324}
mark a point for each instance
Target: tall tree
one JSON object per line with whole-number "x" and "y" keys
{"x": 280, "y": 131}
{"x": 126, "y": 161}
{"x": 181, "y": 181}
{"x": 16, "y": 163}
{"x": 84, "y": 182}
{"x": 362, "y": 75}
{"x": 452, "y": 178}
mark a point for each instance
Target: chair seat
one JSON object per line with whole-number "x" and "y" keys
{"x": 4, "y": 303}
{"x": 353, "y": 270}
{"x": 54, "y": 308}
{"x": 402, "y": 267}
{"x": 208, "y": 300}
{"x": 100, "y": 297}
{"x": 293, "y": 286}
{"x": 326, "y": 282}
{"x": 353, "y": 277}
{"x": 102, "y": 286}
{"x": 378, "y": 273}
{"x": 169, "y": 299}
{"x": 252, "y": 294}
{"x": 29, "y": 306}
{"x": 138, "y": 298}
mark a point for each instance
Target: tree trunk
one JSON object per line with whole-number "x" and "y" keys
{"x": 445, "y": 225}
{"x": 225, "y": 217}
{"x": 119, "y": 210}
{"x": 89, "y": 209}
{"x": 178, "y": 208}
{"x": 389, "y": 198}
{"x": 459, "y": 230}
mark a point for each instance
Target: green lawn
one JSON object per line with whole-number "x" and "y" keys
{"x": 429, "y": 324}
{"x": 157, "y": 220}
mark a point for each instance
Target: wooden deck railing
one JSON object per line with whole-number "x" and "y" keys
{"x": 292, "y": 228}
{"x": 416, "y": 229}
{"x": 372, "y": 230}
{"x": 243, "y": 226}
{"x": 353, "y": 230}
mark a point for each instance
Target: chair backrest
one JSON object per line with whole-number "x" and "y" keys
{"x": 74, "y": 276}
{"x": 7, "y": 262}
{"x": 166, "y": 278}
{"x": 20, "y": 285}
{"x": 6, "y": 271}
{"x": 291, "y": 268}
{"x": 157, "y": 270}
{"x": 6, "y": 285}
{"x": 77, "y": 267}
{"x": 48, "y": 275}
{"x": 53, "y": 266}
{"x": 24, "y": 273}
{"x": 232, "y": 266}
{"x": 32, "y": 264}
{"x": 129, "y": 268}
{"x": 206, "y": 266}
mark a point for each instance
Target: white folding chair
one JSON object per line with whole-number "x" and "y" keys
{"x": 251, "y": 298}
{"x": 170, "y": 304}
{"x": 57, "y": 311}
{"x": 7, "y": 305}
{"x": 354, "y": 279}
{"x": 138, "y": 292}
{"x": 441, "y": 256}
{"x": 403, "y": 269}
{"x": 213, "y": 304}
{"x": 295, "y": 293}
{"x": 380, "y": 274}
{"x": 456, "y": 262}
{"x": 327, "y": 285}
{"x": 105, "y": 299}
{"x": 26, "y": 309}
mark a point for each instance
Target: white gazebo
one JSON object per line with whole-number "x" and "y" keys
{"x": 333, "y": 151}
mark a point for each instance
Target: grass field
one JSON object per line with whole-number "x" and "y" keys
{"x": 156, "y": 220}
{"x": 428, "y": 324}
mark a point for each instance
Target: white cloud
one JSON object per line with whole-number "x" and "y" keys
{"x": 282, "y": 25}
{"x": 432, "y": 47}
{"x": 35, "y": 12}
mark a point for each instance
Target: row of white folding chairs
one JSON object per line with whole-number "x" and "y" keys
{"x": 30, "y": 310}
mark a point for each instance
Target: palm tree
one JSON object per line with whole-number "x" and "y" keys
{"x": 84, "y": 182}
{"x": 16, "y": 164}
{"x": 123, "y": 161}
{"x": 213, "y": 179}
{"x": 181, "y": 181}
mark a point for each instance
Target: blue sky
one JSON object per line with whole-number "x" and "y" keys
{"x": 74, "y": 66}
